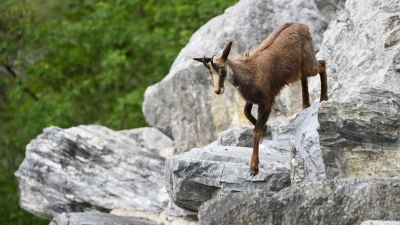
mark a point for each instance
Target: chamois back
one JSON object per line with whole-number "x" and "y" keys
{"x": 284, "y": 57}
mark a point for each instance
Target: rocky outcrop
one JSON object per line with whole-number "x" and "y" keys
{"x": 345, "y": 201}
{"x": 359, "y": 133}
{"x": 89, "y": 168}
{"x": 361, "y": 48}
{"x": 183, "y": 104}
{"x": 197, "y": 176}
{"x": 359, "y": 139}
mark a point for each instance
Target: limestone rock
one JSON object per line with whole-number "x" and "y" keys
{"x": 89, "y": 168}
{"x": 241, "y": 136}
{"x": 361, "y": 48}
{"x": 183, "y": 105}
{"x": 201, "y": 174}
{"x": 153, "y": 139}
{"x": 96, "y": 218}
{"x": 343, "y": 201}
{"x": 356, "y": 139}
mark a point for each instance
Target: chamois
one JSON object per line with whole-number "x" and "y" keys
{"x": 285, "y": 56}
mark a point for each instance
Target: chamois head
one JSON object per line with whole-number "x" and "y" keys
{"x": 216, "y": 68}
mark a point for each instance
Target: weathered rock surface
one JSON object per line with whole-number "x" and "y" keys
{"x": 183, "y": 104}
{"x": 344, "y": 201}
{"x": 197, "y": 176}
{"x": 362, "y": 49}
{"x": 356, "y": 139}
{"x": 152, "y": 139}
{"x": 89, "y": 168}
{"x": 96, "y": 218}
{"x": 241, "y": 136}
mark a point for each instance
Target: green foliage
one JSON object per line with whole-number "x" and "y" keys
{"x": 66, "y": 63}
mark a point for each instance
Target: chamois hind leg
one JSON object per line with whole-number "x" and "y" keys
{"x": 263, "y": 113}
{"x": 324, "y": 80}
{"x": 305, "y": 95}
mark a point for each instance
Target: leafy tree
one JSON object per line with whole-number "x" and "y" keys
{"x": 66, "y": 63}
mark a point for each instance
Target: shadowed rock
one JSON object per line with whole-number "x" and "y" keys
{"x": 346, "y": 201}
{"x": 197, "y": 176}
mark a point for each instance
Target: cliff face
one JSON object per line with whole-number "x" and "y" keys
{"x": 337, "y": 162}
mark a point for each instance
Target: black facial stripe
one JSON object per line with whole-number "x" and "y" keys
{"x": 223, "y": 72}
{"x": 221, "y": 81}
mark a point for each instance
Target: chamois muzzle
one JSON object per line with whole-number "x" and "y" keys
{"x": 219, "y": 91}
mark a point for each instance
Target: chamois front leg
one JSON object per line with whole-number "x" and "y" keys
{"x": 306, "y": 97}
{"x": 250, "y": 117}
{"x": 324, "y": 80}
{"x": 247, "y": 113}
{"x": 263, "y": 113}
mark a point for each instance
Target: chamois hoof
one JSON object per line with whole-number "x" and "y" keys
{"x": 305, "y": 106}
{"x": 253, "y": 172}
{"x": 323, "y": 99}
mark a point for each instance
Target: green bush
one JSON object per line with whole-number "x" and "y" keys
{"x": 66, "y": 63}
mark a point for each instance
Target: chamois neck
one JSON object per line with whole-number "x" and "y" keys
{"x": 239, "y": 72}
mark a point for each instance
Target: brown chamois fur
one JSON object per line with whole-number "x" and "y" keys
{"x": 286, "y": 56}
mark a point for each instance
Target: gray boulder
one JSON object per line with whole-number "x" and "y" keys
{"x": 241, "y": 136}
{"x": 201, "y": 174}
{"x": 89, "y": 168}
{"x": 356, "y": 139}
{"x": 183, "y": 105}
{"x": 343, "y": 201}
{"x": 357, "y": 134}
{"x": 362, "y": 50}
{"x": 96, "y": 218}
{"x": 152, "y": 139}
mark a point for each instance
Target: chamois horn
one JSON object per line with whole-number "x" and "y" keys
{"x": 226, "y": 51}
{"x": 204, "y": 62}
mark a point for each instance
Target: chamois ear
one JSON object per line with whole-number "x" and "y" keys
{"x": 226, "y": 51}
{"x": 203, "y": 60}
